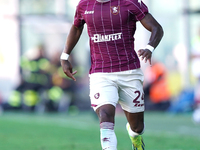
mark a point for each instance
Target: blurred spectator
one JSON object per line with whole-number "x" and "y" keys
{"x": 195, "y": 66}
{"x": 183, "y": 103}
{"x": 34, "y": 78}
{"x": 183, "y": 96}
{"x": 44, "y": 86}
{"x": 156, "y": 87}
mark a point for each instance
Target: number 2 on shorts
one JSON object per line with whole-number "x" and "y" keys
{"x": 136, "y": 101}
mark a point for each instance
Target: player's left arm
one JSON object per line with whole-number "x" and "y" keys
{"x": 156, "y": 35}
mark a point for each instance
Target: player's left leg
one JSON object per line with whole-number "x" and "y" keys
{"x": 131, "y": 97}
{"x": 135, "y": 128}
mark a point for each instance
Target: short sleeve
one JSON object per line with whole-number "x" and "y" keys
{"x": 78, "y": 18}
{"x": 138, "y": 8}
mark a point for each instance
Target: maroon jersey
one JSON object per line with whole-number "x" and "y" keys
{"x": 111, "y": 26}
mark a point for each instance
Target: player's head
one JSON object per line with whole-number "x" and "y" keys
{"x": 103, "y": 1}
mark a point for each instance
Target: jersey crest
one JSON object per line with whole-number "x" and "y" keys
{"x": 114, "y": 10}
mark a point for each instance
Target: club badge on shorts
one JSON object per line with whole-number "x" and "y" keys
{"x": 97, "y": 95}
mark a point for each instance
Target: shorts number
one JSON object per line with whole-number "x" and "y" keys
{"x": 136, "y": 101}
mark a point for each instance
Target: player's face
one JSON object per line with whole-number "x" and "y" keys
{"x": 103, "y": 1}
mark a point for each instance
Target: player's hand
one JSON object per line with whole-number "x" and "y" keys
{"x": 145, "y": 55}
{"x": 67, "y": 69}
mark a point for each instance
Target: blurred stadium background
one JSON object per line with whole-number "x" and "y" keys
{"x": 33, "y": 34}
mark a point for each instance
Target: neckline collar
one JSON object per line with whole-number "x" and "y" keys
{"x": 103, "y": 1}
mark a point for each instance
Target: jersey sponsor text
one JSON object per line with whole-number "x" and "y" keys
{"x": 104, "y": 38}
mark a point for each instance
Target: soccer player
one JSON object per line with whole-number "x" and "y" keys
{"x": 115, "y": 74}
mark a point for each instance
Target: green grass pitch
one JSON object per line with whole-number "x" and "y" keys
{"x": 31, "y": 131}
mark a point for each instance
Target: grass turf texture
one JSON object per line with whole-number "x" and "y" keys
{"x": 25, "y": 131}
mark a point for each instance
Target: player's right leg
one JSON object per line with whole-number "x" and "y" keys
{"x": 106, "y": 114}
{"x": 104, "y": 97}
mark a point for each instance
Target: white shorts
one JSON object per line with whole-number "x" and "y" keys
{"x": 125, "y": 88}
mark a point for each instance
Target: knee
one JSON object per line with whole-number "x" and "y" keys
{"x": 106, "y": 115}
{"x": 139, "y": 128}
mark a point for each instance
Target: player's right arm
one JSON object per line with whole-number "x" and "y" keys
{"x": 71, "y": 41}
